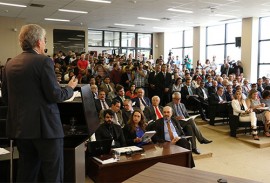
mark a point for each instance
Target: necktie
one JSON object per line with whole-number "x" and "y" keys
{"x": 104, "y": 105}
{"x": 190, "y": 91}
{"x": 204, "y": 94}
{"x": 170, "y": 130}
{"x": 109, "y": 88}
{"x": 142, "y": 104}
{"x": 178, "y": 111}
{"x": 159, "y": 115}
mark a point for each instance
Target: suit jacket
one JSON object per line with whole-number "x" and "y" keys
{"x": 118, "y": 121}
{"x": 199, "y": 92}
{"x": 182, "y": 108}
{"x": 150, "y": 113}
{"x": 163, "y": 82}
{"x": 237, "y": 108}
{"x": 104, "y": 87}
{"x": 159, "y": 128}
{"x": 137, "y": 101}
{"x": 126, "y": 115}
{"x": 214, "y": 99}
{"x": 116, "y": 133}
{"x": 184, "y": 93}
{"x": 99, "y": 106}
{"x": 120, "y": 100}
{"x": 212, "y": 90}
{"x": 31, "y": 90}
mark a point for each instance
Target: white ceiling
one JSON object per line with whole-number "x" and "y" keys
{"x": 103, "y": 16}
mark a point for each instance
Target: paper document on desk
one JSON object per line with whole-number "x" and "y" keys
{"x": 191, "y": 117}
{"x": 75, "y": 94}
{"x": 3, "y": 151}
{"x": 107, "y": 161}
{"x": 128, "y": 149}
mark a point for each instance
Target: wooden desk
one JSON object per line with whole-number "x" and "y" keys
{"x": 129, "y": 166}
{"x": 161, "y": 172}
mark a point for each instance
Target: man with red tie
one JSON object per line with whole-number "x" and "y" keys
{"x": 154, "y": 112}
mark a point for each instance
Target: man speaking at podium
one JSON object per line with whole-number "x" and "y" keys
{"x": 31, "y": 91}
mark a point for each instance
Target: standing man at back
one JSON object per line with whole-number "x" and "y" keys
{"x": 31, "y": 91}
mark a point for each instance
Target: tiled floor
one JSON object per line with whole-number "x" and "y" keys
{"x": 232, "y": 157}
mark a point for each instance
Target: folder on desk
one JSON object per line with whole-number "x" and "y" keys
{"x": 128, "y": 149}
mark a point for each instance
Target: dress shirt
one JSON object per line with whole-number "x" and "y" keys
{"x": 190, "y": 91}
{"x": 166, "y": 132}
{"x": 204, "y": 94}
{"x": 104, "y": 104}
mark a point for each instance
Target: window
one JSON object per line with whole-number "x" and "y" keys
{"x": 144, "y": 40}
{"x": 128, "y": 39}
{"x": 111, "y": 39}
{"x": 95, "y": 38}
{"x": 216, "y": 34}
{"x": 233, "y": 30}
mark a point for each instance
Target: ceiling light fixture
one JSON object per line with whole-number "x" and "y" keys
{"x": 181, "y": 11}
{"x": 145, "y": 18}
{"x": 58, "y": 20}
{"x": 10, "y": 4}
{"x": 73, "y": 11}
{"x": 99, "y": 1}
{"x": 222, "y": 15}
{"x": 127, "y": 25}
{"x": 163, "y": 28}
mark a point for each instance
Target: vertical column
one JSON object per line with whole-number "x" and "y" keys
{"x": 199, "y": 44}
{"x": 249, "y": 47}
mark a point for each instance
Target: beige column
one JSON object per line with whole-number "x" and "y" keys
{"x": 199, "y": 44}
{"x": 249, "y": 47}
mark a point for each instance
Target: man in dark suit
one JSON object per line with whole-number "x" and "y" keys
{"x": 217, "y": 104}
{"x": 202, "y": 93}
{"x": 110, "y": 130}
{"x": 120, "y": 91}
{"x": 164, "y": 84}
{"x": 127, "y": 110}
{"x": 102, "y": 102}
{"x": 168, "y": 129}
{"x": 152, "y": 90}
{"x": 190, "y": 98}
{"x": 180, "y": 113}
{"x": 213, "y": 89}
{"x": 155, "y": 111}
{"x": 141, "y": 101}
{"x": 31, "y": 91}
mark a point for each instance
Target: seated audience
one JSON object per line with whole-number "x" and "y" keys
{"x": 109, "y": 130}
{"x": 132, "y": 93}
{"x": 169, "y": 129}
{"x": 229, "y": 93}
{"x": 254, "y": 103}
{"x": 117, "y": 117}
{"x": 141, "y": 101}
{"x": 127, "y": 110}
{"x": 135, "y": 128}
{"x": 102, "y": 103}
{"x": 266, "y": 98}
{"x": 94, "y": 90}
{"x": 189, "y": 126}
{"x": 245, "y": 114}
{"x": 108, "y": 87}
{"x": 120, "y": 92}
{"x": 177, "y": 85}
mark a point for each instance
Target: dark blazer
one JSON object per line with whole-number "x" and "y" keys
{"x": 126, "y": 115}
{"x": 214, "y": 99}
{"x": 163, "y": 82}
{"x": 120, "y": 100}
{"x": 137, "y": 101}
{"x": 184, "y": 93}
{"x": 124, "y": 79}
{"x": 98, "y": 104}
{"x": 129, "y": 135}
{"x": 32, "y": 93}
{"x": 150, "y": 112}
{"x": 212, "y": 90}
{"x": 199, "y": 92}
{"x": 159, "y": 127}
{"x": 103, "y": 133}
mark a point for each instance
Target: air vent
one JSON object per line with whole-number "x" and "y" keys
{"x": 231, "y": 19}
{"x": 37, "y": 5}
{"x": 164, "y": 18}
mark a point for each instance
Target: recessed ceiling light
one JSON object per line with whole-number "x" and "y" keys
{"x": 73, "y": 11}
{"x": 179, "y": 10}
{"x": 145, "y": 18}
{"x": 10, "y": 4}
{"x": 222, "y": 15}
{"x": 127, "y": 25}
{"x": 99, "y": 1}
{"x": 58, "y": 20}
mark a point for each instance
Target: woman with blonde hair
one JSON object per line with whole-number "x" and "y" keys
{"x": 254, "y": 103}
{"x": 245, "y": 114}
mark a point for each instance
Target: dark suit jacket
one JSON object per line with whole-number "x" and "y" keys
{"x": 199, "y": 92}
{"x": 126, "y": 115}
{"x": 214, "y": 99}
{"x": 98, "y": 104}
{"x": 159, "y": 127}
{"x": 32, "y": 92}
{"x": 129, "y": 135}
{"x": 184, "y": 93}
{"x": 163, "y": 82}
{"x": 212, "y": 90}
{"x": 120, "y": 100}
{"x": 103, "y": 133}
{"x": 150, "y": 113}
{"x": 137, "y": 101}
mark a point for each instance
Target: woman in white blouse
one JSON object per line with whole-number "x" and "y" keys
{"x": 245, "y": 114}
